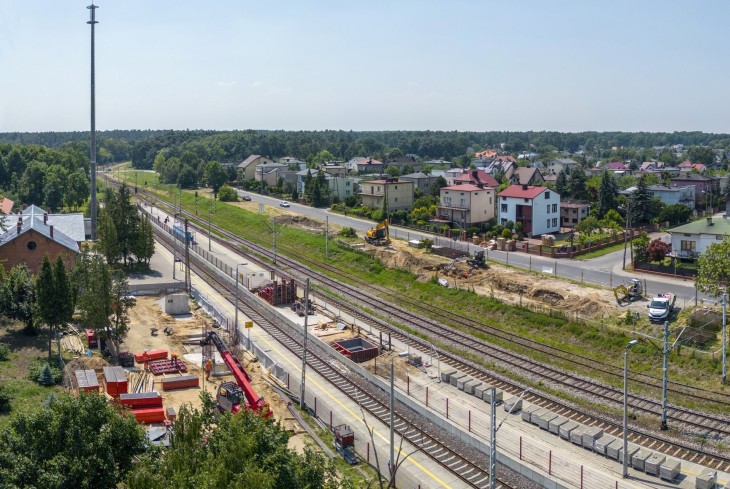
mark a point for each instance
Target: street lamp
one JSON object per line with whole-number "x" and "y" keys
{"x": 626, "y": 400}
{"x": 236, "y": 320}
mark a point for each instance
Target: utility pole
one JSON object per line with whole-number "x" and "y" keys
{"x": 209, "y": 208}
{"x": 188, "y": 282}
{"x": 274, "y": 220}
{"x": 304, "y": 348}
{"x": 92, "y": 151}
{"x": 724, "y": 337}
{"x": 327, "y": 237}
{"x": 665, "y": 374}
{"x": 628, "y": 214}
{"x": 392, "y": 425}
{"x": 493, "y": 440}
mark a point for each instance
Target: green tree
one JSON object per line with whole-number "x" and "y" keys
{"x": 437, "y": 185}
{"x": 713, "y": 273}
{"x": 215, "y": 176}
{"x": 561, "y": 184}
{"x": 577, "y": 184}
{"x": 126, "y": 221}
{"x": 77, "y": 190}
{"x": 675, "y": 214}
{"x": 121, "y": 303}
{"x": 63, "y": 298}
{"x": 46, "y": 377}
{"x": 228, "y": 194}
{"x": 241, "y": 450}
{"x": 657, "y": 250}
{"x": 95, "y": 299}
{"x": 188, "y": 177}
{"x": 45, "y": 290}
{"x": 640, "y": 203}
{"x": 17, "y": 296}
{"x": 607, "y": 191}
{"x": 55, "y": 186}
{"x": 701, "y": 154}
{"x": 31, "y": 185}
{"x": 107, "y": 241}
{"x": 144, "y": 241}
{"x": 640, "y": 245}
{"x": 322, "y": 157}
{"x": 79, "y": 442}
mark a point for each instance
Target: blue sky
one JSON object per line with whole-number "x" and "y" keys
{"x": 398, "y": 64}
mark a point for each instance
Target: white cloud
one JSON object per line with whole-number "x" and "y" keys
{"x": 256, "y": 84}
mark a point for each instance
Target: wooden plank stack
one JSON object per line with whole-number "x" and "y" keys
{"x": 139, "y": 382}
{"x": 72, "y": 343}
{"x": 180, "y": 382}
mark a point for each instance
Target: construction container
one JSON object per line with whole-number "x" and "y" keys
{"x": 653, "y": 464}
{"x": 631, "y": 451}
{"x": 86, "y": 380}
{"x": 638, "y": 460}
{"x": 141, "y": 399}
{"x": 590, "y": 435}
{"x": 537, "y": 415}
{"x": 613, "y": 449}
{"x": 460, "y": 384}
{"x": 115, "y": 380}
{"x": 487, "y": 396}
{"x": 527, "y": 412}
{"x": 670, "y": 469}
{"x": 555, "y": 424}
{"x": 544, "y": 421}
{"x": 513, "y": 404}
{"x": 471, "y": 387}
{"x": 454, "y": 378}
{"x": 576, "y": 436}
{"x": 175, "y": 304}
{"x": 91, "y": 339}
{"x": 146, "y": 356}
{"x": 446, "y": 374}
{"x": 567, "y": 428}
{"x": 170, "y": 414}
{"x": 356, "y": 349}
{"x": 149, "y": 415}
{"x": 706, "y": 480}
{"x": 180, "y": 382}
{"x": 602, "y": 443}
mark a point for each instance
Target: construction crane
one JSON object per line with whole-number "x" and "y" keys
{"x": 231, "y": 395}
{"x": 379, "y": 235}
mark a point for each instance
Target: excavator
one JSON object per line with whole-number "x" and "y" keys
{"x": 628, "y": 293}
{"x": 379, "y": 235}
{"x": 232, "y": 397}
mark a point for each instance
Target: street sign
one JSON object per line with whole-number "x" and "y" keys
{"x": 248, "y": 324}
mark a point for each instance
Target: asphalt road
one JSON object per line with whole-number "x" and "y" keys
{"x": 605, "y": 271}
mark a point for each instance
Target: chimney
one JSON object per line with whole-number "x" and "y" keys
{"x": 51, "y": 230}
{"x": 709, "y": 221}
{"x": 524, "y": 187}
{"x": 20, "y": 223}
{"x": 45, "y": 218}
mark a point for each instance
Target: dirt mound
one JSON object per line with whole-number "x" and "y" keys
{"x": 301, "y": 222}
{"x": 546, "y": 295}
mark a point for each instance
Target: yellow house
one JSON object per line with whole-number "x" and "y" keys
{"x": 398, "y": 194}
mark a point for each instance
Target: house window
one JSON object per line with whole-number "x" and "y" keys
{"x": 688, "y": 245}
{"x": 555, "y": 207}
{"x": 548, "y": 208}
{"x": 547, "y": 194}
{"x": 504, "y": 207}
{"x": 575, "y": 221}
{"x": 504, "y": 198}
{"x": 555, "y": 221}
{"x": 548, "y": 223}
{"x": 31, "y": 245}
{"x": 527, "y": 201}
{"x": 503, "y": 221}
{"x": 718, "y": 237}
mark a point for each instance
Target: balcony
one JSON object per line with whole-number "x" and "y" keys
{"x": 454, "y": 207}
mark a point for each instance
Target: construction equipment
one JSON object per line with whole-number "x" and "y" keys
{"x": 478, "y": 261}
{"x": 379, "y": 235}
{"x": 345, "y": 442}
{"x": 231, "y": 395}
{"x": 661, "y": 307}
{"x": 298, "y": 307}
{"x": 629, "y": 293}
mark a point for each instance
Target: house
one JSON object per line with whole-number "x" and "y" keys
{"x": 398, "y": 194}
{"x": 247, "y": 168}
{"x": 675, "y": 195}
{"x": 692, "y": 239}
{"x": 487, "y": 153}
{"x": 616, "y": 167}
{"x": 269, "y": 172}
{"x": 476, "y": 177}
{"x": 452, "y": 174}
{"x": 408, "y": 162}
{"x": 499, "y": 166}
{"x": 704, "y": 186}
{"x": 334, "y": 168}
{"x": 420, "y": 180}
{"x": 293, "y": 163}
{"x": 526, "y": 176}
{"x": 537, "y": 208}
{"x": 31, "y": 238}
{"x": 72, "y": 225}
{"x": 571, "y": 213}
{"x": 360, "y": 164}
{"x": 687, "y": 166}
{"x": 442, "y": 164}
{"x": 340, "y": 187}
{"x": 466, "y": 204}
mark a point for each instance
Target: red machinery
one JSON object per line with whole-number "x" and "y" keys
{"x": 230, "y": 394}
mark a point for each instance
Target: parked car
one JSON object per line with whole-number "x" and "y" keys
{"x": 246, "y": 198}
{"x": 284, "y": 203}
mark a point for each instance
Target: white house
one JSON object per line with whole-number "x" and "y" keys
{"x": 691, "y": 240}
{"x": 466, "y": 204}
{"x": 537, "y": 208}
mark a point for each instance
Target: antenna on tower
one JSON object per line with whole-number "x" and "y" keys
{"x": 92, "y": 151}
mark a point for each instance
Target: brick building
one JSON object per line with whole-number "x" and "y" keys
{"x": 31, "y": 238}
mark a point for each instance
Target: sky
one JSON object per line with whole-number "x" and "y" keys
{"x": 467, "y": 65}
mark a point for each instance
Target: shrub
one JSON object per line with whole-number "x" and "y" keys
{"x": 46, "y": 377}
{"x": 35, "y": 371}
{"x": 426, "y": 243}
{"x": 4, "y": 352}
{"x": 227, "y": 194}
{"x": 657, "y": 250}
{"x": 377, "y": 215}
{"x": 507, "y": 233}
{"x": 5, "y": 399}
{"x": 347, "y": 233}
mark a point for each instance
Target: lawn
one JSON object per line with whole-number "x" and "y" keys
{"x": 603, "y": 251}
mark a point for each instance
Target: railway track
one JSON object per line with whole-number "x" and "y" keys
{"x": 425, "y": 440}
{"x": 706, "y": 423}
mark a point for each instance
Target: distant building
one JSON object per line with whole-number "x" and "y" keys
{"x": 526, "y": 176}
{"x": 537, "y": 208}
{"x": 247, "y": 168}
{"x": 476, "y": 177}
{"x": 674, "y": 195}
{"x": 571, "y": 213}
{"x": 466, "y": 204}
{"x": 420, "y": 180}
{"x": 691, "y": 240}
{"x": 269, "y": 172}
{"x": 397, "y": 193}
{"x": 6, "y": 205}
{"x": 361, "y": 164}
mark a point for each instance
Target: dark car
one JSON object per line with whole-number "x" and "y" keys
{"x": 246, "y": 198}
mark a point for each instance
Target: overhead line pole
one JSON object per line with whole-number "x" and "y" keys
{"x": 92, "y": 150}
{"x": 304, "y": 347}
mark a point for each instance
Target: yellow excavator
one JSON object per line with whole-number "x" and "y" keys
{"x": 630, "y": 292}
{"x": 379, "y": 235}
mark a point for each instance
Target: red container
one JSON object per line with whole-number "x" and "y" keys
{"x": 91, "y": 340}
{"x": 149, "y": 415}
{"x": 141, "y": 399}
{"x": 87, "y": 381}
{"x": 150, "y": 355}
{"x": 115, "y": 380}
{"x": 180, "y": 382}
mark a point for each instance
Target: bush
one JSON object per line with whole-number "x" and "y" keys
{"x": 5, "y": 399}
{"x": 36, "y": 370}
{"x": 347, "y": 233}
{"x": 506, "y": 233}
{"x": 377, "y": 215}
{"x": 227, "y": 194}
{"x": 4, "y": 352}
{"x": 426, "y": 243}
{"x": 657, "y": 250}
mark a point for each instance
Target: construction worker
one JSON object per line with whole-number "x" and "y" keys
{"x": 174, "y": 356}
{"x": 208, "y": 368}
